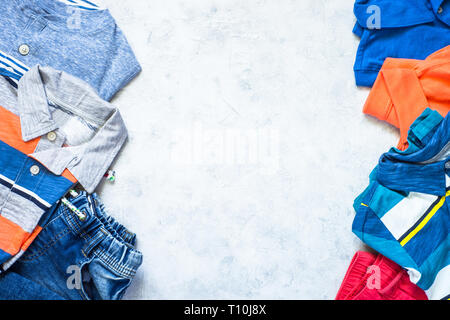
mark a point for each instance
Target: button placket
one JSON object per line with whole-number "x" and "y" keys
{"x": 34, "y": 170}
{"x": 28, "y": 42}
{"x": 45, "y": 143}
{"x": 24, "y": 49}
{"x": 51, "y": 136}
{"x": 32, "y": 180}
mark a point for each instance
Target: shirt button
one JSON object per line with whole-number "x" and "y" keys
{"x": 24, "y": 49}
{"x": 34, "y": 170}
{"x": 440, "y": 10}
{"x": 51, "y": 136}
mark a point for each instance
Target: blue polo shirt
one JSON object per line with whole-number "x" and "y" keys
{"x": 410, "y": 29}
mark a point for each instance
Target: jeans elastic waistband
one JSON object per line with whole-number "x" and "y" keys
{"x": 116, "y": 229}
{"x": 100, "y": 238}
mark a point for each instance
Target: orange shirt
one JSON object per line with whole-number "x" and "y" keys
{"x": 405, "y": 88}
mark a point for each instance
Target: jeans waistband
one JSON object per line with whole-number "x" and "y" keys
{"x": 100, "y": 239}
{"x": 116, "y": 229}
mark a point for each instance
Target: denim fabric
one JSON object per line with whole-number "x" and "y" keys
{"x": 85, "y": 43}
{"x": 116, "y": 229}
{"x": 107, "y": 262}
{"x": 15, "y": 287}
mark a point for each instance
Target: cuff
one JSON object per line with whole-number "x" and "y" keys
{"x": 379, "y": 103}
{"x": 365, "y": 78}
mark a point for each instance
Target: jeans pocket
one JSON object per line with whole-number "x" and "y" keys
{"x": 100, "y": 282}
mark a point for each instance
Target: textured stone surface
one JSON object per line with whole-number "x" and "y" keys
{"x": 274, "y": 220}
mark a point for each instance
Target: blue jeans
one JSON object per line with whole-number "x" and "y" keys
{"x": 74, "y": 257}
{"x": 15, "y": 287}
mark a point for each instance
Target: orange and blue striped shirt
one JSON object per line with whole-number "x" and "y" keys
{"x": 55, "y": 131}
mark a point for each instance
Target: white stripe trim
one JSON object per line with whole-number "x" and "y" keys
{"x": 6, "y": 179}
{"x": 81, "y": 3}
{"x": 440, "y": 287}
{"x": 20, "y": 65}
{"x": 17, "y": 68}
{"x": 28, "y": 192}
{"x": 404, "y": 215}
{"x": 8, "y": 66}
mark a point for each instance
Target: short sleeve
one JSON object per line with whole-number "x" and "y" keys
{"x": 121, "y": 66}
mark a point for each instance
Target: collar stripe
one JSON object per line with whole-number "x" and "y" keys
{"x": 17, "y": 68}
{"x": 82, "y": 4}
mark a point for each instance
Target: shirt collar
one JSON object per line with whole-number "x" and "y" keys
{"x": 89, "y": 161}
{"x": 422, "y": 171}
{"x": 441, "y": 11}
{"x": 35, "y": 117}
{"x": 57, "y": 14}
{"x": 436, "y": 4}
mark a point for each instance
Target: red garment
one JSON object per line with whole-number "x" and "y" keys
{"x": 375, "y": 277}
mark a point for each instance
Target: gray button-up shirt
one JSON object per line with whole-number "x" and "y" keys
{"x": 55, "y": 131}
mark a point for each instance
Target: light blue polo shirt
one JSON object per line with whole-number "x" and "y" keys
{"x": 74, "y": 36}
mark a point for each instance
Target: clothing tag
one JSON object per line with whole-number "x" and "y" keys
{"x": 74, "y": 209}
{"x": 110, "y": 175}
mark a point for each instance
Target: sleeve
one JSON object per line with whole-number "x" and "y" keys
{"x": 397, "y": 96}
{"x": 372, "y": 14}
{"x": 122, "y": 65}
{"x": 358, "y": 30}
